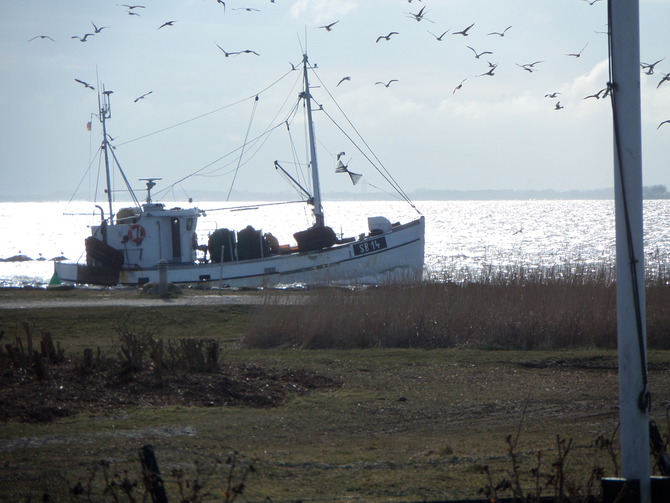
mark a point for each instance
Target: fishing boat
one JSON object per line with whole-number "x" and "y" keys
{"x": 148, "y": 242}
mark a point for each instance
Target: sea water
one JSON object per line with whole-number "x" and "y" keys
{"x": 463, "y": 238}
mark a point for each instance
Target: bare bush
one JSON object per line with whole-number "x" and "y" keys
{"x": 25, "y": 358}
{"x": 141, "y": 349}
{"x": 134, "y": 344}
{"x": 193, "y": 355}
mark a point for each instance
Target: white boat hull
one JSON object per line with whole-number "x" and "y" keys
{"x": 396, "y": 255}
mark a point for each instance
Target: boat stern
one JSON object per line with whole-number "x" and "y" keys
{"x": 86, "y": 274}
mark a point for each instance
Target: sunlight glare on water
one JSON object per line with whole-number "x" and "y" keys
{"x": 463, "y": 238}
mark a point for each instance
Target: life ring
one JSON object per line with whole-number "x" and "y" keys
{"x": 136, "y": 233}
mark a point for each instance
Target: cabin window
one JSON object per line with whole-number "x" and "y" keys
{"x": 189, "y": 224}
{"x": 176, "y": 238}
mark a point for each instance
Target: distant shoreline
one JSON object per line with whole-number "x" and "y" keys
{"x": 650, "y": 192}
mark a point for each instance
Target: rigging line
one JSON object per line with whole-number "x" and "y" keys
{"x": 300, "y": 175}
{"x": 262, "y": 138}
{"x": 88, "y": 169}
{"x": 99, "y": 174}
{"x": 253, "y": 96}
{"x": 182, "y": 122}
{"x": 390, "y": 178}
{"x": 644, "y": 400}
{"x": 292, "y": 113}
{"x": 266, "y": 138}
{"x": 267, "y": 132}
{"x": 292, "y": 184}
{"x": 394, "y": 196}
{"x": 197, "y": 172}
{"x": 214, "y": 174}
{"x": 390, "y": 181}
{"x": 108, "y": 146}
{"x": 386, "y": 174}
{"x": 278, "y": 203}
{"x": 246, "y": 137}
{"x": 294, "y": 153}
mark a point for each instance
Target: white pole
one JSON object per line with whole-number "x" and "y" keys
{"x": 631, "y": 327}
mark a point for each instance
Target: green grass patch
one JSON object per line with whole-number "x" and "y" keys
{"x": 398, "y": 423}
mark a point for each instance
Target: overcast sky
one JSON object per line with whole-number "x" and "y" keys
{"x": 496, "y": 131}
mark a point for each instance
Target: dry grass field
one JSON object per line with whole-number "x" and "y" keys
{"x": 425, "y": 410}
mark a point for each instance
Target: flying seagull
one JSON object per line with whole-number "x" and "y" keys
{"x": 464, "y": 31}
{"x": 386, "y": 84}
{"x": 142, "y": 97}
{"x": 458, "y": 87}
{"x": 222, "y": 3}
{"x": 82, "y": 39}
{"x": 439, "y": 39}
{"x": 591, "y": 2}
{"x": 226, "y": 52}
{"x": 386, "y": 37}
{"x": 666, "y": 77}
{"x": 343, "y": 79}
{"x": 85, "y": 84}
{"x": 131, "y": 7}
{"x": 96, "y": 29}
{"x": 605, "y": 91}
{"x": 650, "y": 67}
{"x": 166, "y": 23}
{"x": 490, "y": 72}
{"x": 578, "y": 54}
{"x": 41, "y": 36}
{"x": 667, "y": 121}
{"x": 248, "y": 51}
{"x": 248, "y": 9}
{"x": 500, "y": 33}
{"x": 478, "y": 54}
{"x": 419, "y": 15}
{"x": 529, "y": 67}
{"x": 329, "y": 27}
{"x": 558, "y": 106}
{"x": 552, "y": 95}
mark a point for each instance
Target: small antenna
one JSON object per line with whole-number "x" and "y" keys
{"x": 302, "y": 49}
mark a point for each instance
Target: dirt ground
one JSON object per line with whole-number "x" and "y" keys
{"x": 69, "y": 390}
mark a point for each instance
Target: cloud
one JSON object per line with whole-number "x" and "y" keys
{"x": 321, "y": 11}
{"x": 592, "y": 81}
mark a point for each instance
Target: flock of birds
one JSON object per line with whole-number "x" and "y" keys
{"x": 419, "y": 16}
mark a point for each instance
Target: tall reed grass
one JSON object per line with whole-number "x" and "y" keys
{"x": 515, "y": 308}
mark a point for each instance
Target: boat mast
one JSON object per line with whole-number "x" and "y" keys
{"x": 316, "y": 189}
{"x": 106, "y": 113}
{"x": 634, "y": 401}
